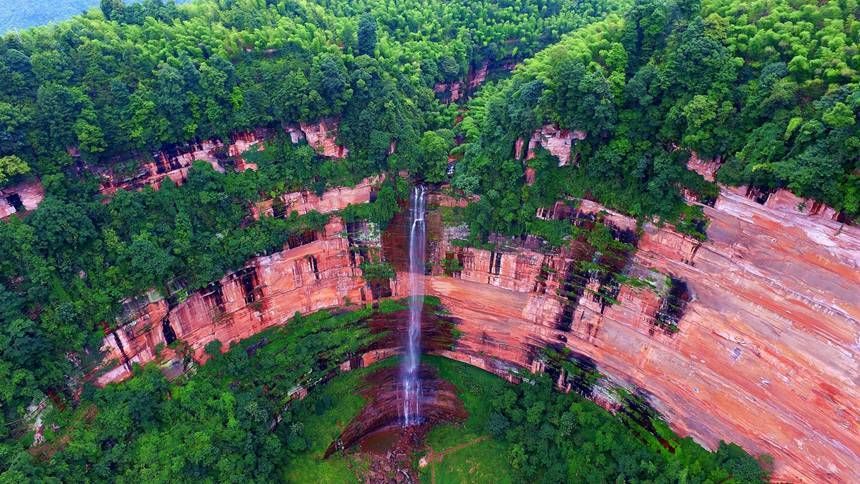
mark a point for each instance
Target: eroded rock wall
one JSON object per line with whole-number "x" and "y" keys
{"x": 330, "y": 201}
{"x": 557, "y": 141}
{"x": 766, "y": 349}
{"x": 322, "y": 136}
{"x": 174, "y": 162}
{"x": 317, "y": 272}
{"x": 451, "y": 92}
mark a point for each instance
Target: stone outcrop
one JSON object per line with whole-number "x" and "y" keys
{"x": 307, "y": 201}
{"x": 242, "y": 142}
{"x": 553, "y": 139}
{"x": 705, "y": 167}
{"x": 174, "y": 162}
{"x": 751, "y": 336}
{"x": 24, "y": 196}
{"x": 786, "y": 202}
{"x": 322, "y": 137}
{"x": 451, "y": 92}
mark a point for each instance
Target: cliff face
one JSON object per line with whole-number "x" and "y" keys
{"x": 451, "y": 92}
{"x": 174, "y": 162}
{"x": 330, "y": 201}
{"x": 751, "y": 336}
{"x": 322, "y": 136}
{"x": 759, "y": 345}
{"x": 315, "y": 270}
{"x": 557, "y": 141}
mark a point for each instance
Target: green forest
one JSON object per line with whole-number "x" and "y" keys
{"x": 770, "y": 87}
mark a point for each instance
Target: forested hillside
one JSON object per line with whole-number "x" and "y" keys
{"x": 770, "y": 88}
{"x": 30, "y": 13}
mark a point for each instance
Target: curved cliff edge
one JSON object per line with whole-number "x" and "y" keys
{"x": 765, "y": 353}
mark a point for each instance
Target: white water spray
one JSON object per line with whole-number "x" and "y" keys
{"x": 409, "y": 368}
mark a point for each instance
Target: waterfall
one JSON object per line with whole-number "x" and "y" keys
{"x": 409, "y": 366}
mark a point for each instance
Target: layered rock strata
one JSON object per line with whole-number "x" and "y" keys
{"x": 451, "y": 92}
{"x": 315, "y": 270}
{"x": 307, "y": 201}
{"x": 322, "y": 136}
{"x": 174, "y": 162}
{"x": 751, "y": 336}
{"x": 550, "y": 137}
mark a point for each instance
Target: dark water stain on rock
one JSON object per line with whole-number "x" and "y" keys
{"x": 376, "y": 431}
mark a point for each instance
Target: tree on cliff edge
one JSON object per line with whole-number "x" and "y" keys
{"x": 376, "y": 273}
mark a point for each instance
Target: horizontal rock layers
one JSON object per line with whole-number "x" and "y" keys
{"x": 174, "y": 162}
{"x": 766, "y": 349}
{"x": 315, "y": 270}
{"x": 550, "y": 137}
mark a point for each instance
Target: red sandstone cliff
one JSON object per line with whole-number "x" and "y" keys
{"x": 330, "y": 201}
{"x": 557, "y": 141}
{"x": 322, "y": 136}
{"x": 313, "y": 271}
{"x": 175, "y": 162}
{"x": 766, "y": 352}
{"x": 766, "y": 348}
{"x": 451, "y": 92}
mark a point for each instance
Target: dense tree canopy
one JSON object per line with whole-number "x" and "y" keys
{"x": 768, "y": 87}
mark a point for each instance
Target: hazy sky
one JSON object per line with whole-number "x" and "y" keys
{"x": 20, "y": 14}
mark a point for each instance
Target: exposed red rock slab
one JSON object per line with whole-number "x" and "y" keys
{"x": 452, "y": 92}
{"x": 29, "y": 193}
{"x": 330, "y": 201}
{"x": 553, "y": 139}
{"x": 322, "y": 137}
{"x": 441, "y": 200}
{"x": 267, "y": 292}
{"x": 242, "y": 142}
{"x": 785, "y": 201}
{"x": 766, "y": 354}
{"x": 172, "y": 165}
{"x": 767, "y": 350}
{"x": 705, "y": 167}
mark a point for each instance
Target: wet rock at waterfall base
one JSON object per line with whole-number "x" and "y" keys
{"x": 377, "y": 434}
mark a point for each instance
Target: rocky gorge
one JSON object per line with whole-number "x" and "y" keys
{"x": 751, "y": 334}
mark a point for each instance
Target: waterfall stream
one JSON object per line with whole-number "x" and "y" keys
{"x": 409, "y": 366}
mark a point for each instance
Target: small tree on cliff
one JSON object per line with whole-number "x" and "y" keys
{"x": 375, "y": 273}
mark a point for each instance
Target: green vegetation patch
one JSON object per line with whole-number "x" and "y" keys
{"x": 532, "y": 433}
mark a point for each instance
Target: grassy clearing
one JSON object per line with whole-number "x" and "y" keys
{"x": 466, "y": 457}
{"x": 470, "y": 455}
{"x": 325, "y": 413}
